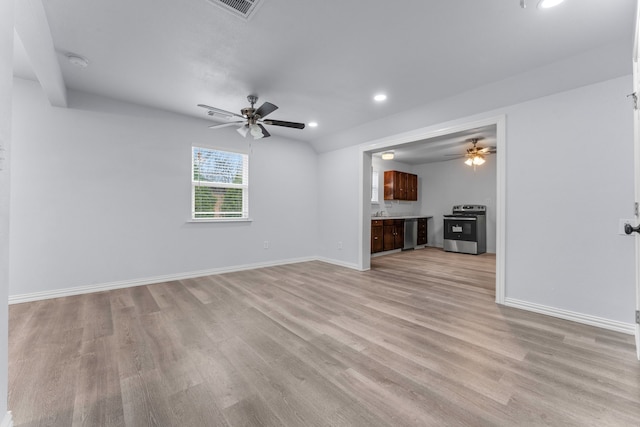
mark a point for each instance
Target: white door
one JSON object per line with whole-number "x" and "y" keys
{"x": 636, "y": 125}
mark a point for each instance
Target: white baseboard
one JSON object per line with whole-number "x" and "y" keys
{"x": 59, "y": 293}
{"x": 338, "y": 263}
{"x": 7, "y": 421}
{"x": 613, "y": 325}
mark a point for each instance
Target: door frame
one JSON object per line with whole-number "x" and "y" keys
{"x": 366, "y": 150}
{"x": 636, "y": 163}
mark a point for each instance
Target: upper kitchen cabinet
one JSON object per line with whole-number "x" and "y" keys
{"x": 400, "y": 186}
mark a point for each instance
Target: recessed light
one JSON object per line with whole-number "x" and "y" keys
{"x": 77, "y": 60}
{"x": 546, "y": 4}
{"x": 380, "y": 97}
{"x": 313, "y": 124}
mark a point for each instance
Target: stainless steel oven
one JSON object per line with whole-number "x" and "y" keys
{"x": 465, "y": 229}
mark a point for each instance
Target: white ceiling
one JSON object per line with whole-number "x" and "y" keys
{"x": 318, "y": 60}
{"x": 443, "y": 148}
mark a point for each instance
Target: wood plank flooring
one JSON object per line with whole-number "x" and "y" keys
{"x": 416, "y": 341}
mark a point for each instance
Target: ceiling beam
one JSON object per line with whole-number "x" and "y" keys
{"x": 32, "y": 27}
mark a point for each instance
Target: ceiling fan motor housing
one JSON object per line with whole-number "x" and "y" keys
{"x": 248, "y": 112}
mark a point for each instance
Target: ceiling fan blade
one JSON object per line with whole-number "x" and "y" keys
{"x": 265, "y": 134}
{"x": 219, "y": 111}
{"x": 223, "y": 125}
{"x": 266, "y": 108}
{"x": 487, "y": 150}
{"x": 285, "y": 124}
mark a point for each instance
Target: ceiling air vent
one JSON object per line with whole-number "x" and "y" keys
{"x": 242, "y": 8}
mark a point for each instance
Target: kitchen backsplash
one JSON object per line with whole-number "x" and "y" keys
{"x": 389, "y": 208}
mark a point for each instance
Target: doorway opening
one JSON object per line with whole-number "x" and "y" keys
{"x": 438, "y": 153}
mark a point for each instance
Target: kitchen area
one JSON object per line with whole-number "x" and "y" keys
{"x": 403, "y": 230}
{"x": 426, "y": 194}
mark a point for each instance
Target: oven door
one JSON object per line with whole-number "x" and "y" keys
{"x": 460, "y": 228}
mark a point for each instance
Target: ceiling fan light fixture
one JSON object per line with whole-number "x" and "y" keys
{"x": 243, "y": 130}
{"x": 388, "y": 155}
{"x": 255, "y": 131}
{"x": 313, "y": 124}
{"x": 478, "y": 160}
{"x": 469, "y": 162}
{"x": 546, "y": 4}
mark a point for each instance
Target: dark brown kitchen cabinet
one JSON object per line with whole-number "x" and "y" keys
{"x": 376, "y": 236}
{"x": 412, "y": 187}
{"x": 422, "y": 231}
{"x": 400, "y": 186}
{"x": 393, "y": 234}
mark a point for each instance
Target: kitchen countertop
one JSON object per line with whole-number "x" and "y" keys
{"x": 373, "y": 218}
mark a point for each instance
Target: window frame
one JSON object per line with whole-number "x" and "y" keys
{"x": 244, "y": 186}
{"x": 375, "y": 186}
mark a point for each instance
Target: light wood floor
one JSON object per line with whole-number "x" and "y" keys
{"x": 416, "y": 341}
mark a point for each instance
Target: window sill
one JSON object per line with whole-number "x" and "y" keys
{"x": 209, "y": 220}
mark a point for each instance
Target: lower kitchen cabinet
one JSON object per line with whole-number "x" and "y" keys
{"x": 388, "y": 234}
{"x": 376, "y": 236}
{"x": 422, "y": 231}
{"x": 393, "y": 234}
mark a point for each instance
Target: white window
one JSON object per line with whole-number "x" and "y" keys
{"x": 374, "y": 186}
{"x": 219, "y": 184}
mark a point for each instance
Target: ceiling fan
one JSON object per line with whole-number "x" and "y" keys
{"x": 475, "y": 155}
{"x": 251, "y": 120}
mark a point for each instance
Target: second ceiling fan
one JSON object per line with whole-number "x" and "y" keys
{"x": 252, "y": 119}
{"x": 475, "y": 155}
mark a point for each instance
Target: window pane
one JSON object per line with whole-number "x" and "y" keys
{"x": 218, "y": 166}
{"x": 374, "y": 186}
{"x": 217, "y": 202}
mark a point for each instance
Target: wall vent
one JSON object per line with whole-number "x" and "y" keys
{"x": 242, "y": 8}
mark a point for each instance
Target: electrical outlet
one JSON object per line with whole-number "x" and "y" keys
{"x": 340, "y": 245}
{"x": 265, "y": 244}
{"x": 621, "y": 224}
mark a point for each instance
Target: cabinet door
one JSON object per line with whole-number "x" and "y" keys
{"x": 412, "y": 187}
{"x": 389, "y": 184}
{"x": 376, "y": 239}
{"x": 388, "y": 238}
{"x": 400, "y": 185}
{"x": 398, "y": 242}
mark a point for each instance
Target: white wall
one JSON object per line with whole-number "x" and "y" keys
{"x": 101, "y": 194}
{"x": 569, "y": 179}
{"x": 338, "y": 177}
{"x": 6, "y": 83}
{"x": 565, "y": 199}
{"x": 445, "y": 184}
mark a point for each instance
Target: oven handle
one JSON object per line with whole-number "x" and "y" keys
{"x": 461, "y": 219}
